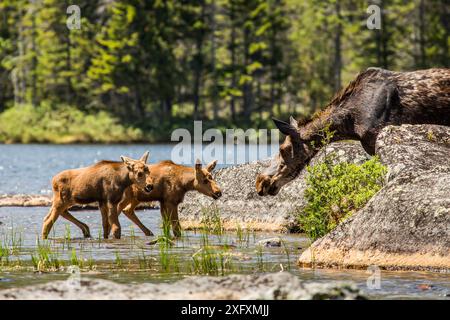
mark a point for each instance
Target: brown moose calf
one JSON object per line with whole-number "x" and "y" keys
{"x": 103, "y": 182}
{"x": 170, "y": 183}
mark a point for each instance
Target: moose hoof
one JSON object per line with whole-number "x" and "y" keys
{"x": 148, "y": 233}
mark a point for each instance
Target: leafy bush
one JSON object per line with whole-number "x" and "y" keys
{"x": 26, "y": 124}
{"x": 334, "y": 192}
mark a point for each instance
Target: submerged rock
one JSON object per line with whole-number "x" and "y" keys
{"x": 406, "y": 225}
{"x": 23, "y": 200}
{"x": 272, "y": 242}
{"x": 278, "y": 286}
{"x": 241, "y": 207}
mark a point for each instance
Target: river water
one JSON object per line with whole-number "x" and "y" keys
{"x": 28, "y": 169}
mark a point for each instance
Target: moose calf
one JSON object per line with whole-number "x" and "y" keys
{"x": 103, "y": 182}
{"x": 170, "y": 183}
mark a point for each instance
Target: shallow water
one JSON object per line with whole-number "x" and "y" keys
{"x": 244, "y": 256}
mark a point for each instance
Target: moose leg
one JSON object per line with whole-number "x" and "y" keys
{"x": 130, "y": 214}
{"x": 169, "y": 212}
{"x": 381, "y": 110}
{"x": 105, "y": 222}
{"x": 56, "y": 210}
{"x": 84, "y": 227}
{"x": 113, "y": 217}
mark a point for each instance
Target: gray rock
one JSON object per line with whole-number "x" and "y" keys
{"x": 272, "y": 242}
{"x": 279, "y": 286}
{"x": 406, "y": 225}
{"x": 241, "y": 206}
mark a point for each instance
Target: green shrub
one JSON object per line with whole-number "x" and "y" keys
{"x": 334, "y": 192}
{"x": 65, "y": 124}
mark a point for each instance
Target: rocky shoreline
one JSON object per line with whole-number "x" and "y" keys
{"x": 272, "y": 286}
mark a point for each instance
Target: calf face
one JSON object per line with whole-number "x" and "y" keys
{"x": 204, "y": 182}
{"x": 139, "y": 172}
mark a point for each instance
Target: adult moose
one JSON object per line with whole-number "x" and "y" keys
{"x": 375, "y": 99}
{"x": 103, "y": 182}
{"x": 170, "y": 183}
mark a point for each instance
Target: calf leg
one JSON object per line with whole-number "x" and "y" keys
{"x": 84, "y": 227}
{"x": 105, "y": 220}
{"x": 169, "y": 212}
{"x": 56, "y": 210}
{"x": 128, "y": 210}
{"x": 113, "y": 218}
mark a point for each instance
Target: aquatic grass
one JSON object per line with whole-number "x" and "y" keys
{"x": 259, "y": 258}
{"x": 74, "y": 260}
{"x": 118, "y": 261}
{"x": 44, "y": 259}
{"x": 239, "y": 233}
{"x": 207, "y": 261}
{"x": 4, "y": 255}
{"x": 67, "y": 237}
{"x": 166, "y": 226}
{"x": 211, "y": 221}
{"x": 286, "y": 251}
{"x": 132, "y": 235}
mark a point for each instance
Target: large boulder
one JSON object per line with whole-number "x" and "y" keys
{"x": 241, "y": 206}
{"x": 274, "y": 286}
{"x": 406, "y": 225}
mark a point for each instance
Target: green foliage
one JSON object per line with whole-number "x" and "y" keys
{"x": 27, "y": 124}
{"x": 156, "y": 65}
{"x": 335, "y": 191}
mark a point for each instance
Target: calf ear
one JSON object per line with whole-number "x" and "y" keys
{"x": 128, "y": 161}
{"x": 198, "y": 165}
{"x": 286, "y": 128}
{"x": 210, "y": 167}
{"x": 144, "y": 157}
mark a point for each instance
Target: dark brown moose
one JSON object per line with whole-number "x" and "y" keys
{"x": 170, "y": 183}
{"x": 103, "y": 182}
{"x": 375, "y": 99}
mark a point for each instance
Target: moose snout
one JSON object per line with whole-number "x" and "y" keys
{"x": 148, "y": 187}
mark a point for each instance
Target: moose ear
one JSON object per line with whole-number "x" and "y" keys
{"x": 210, "y": 167}
{"x": 286, "y": 128}
{"x": 144, "y": 157}
{"x": 128, "y": 161}
{"x": 293, "y": 122}
{"x": 198, "y": 164}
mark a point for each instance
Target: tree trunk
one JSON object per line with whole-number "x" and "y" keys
{"x": 247, "y": 86}
{"x": 337, "y": 50}
{"x": 422, "y": 60}
{"x": 233, "y": 61}
{"x": 215, "y": 99}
